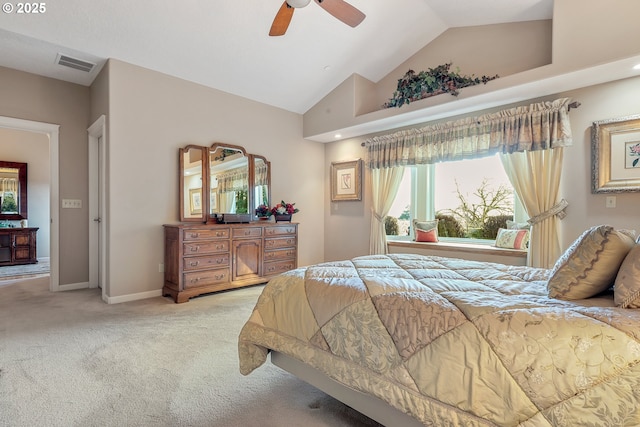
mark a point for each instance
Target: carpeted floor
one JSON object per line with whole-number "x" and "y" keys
{"x": 68, "y": 359}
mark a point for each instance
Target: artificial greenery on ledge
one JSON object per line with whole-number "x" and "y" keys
{"x": 434, "y": 81}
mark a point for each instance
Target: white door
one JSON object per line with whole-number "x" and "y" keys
{"x": 97, "y": 242}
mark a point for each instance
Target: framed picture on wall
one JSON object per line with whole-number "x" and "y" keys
{"x": 195, "y": 201}
{"x": 346, "y": 180}
{"x": 615, "y": 155}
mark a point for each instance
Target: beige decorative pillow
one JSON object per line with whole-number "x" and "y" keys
{"x": 589, "y": 266}
{"x": 626, "y": 290}
{"x": 631, "y": 233}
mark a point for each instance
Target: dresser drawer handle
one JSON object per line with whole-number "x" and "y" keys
{"x": 196, "y": 280}
{"x": 220, "y": 246}
{"x": 219, "y": 261}
{"x": 194, "y": 235}
{"x": 195, "y": 248}
{"x": 219, "y": 276}
{"x": 219, "y": 233}
{"x": 194, "y": 263}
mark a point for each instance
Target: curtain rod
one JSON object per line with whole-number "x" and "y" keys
{"x": 574, "y": 105}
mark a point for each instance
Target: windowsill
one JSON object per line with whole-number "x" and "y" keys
{"x": 477, "y": 247}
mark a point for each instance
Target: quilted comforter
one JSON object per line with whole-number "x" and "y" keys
{"x": 454, "y": 342}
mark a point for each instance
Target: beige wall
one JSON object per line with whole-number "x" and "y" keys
{"x": 41, "y": 99}
{"x": 348, "y": 225}
{"x": 33, "y": 149}
{"x": 601, "y": 102}
{"x": 587, "y": 32}
{"x": 151, "y": 116}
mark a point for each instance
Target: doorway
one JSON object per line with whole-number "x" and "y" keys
{"x": 52, "y": 133}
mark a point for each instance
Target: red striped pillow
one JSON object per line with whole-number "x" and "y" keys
{"x": 512, "y": 239}
{"x": 427, "y": 235}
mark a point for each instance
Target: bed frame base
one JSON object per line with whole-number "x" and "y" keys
{"x": 368, "y": 405}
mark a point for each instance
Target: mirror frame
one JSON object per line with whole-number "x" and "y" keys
{"x": 22, "y": 193}
{"x": 206, "y": 216}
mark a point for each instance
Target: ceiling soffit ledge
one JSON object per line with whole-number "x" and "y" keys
{"x": 540, "y": 82}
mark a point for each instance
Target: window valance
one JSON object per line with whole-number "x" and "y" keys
{"x": 9, "y": 185}
{"x": 234, "y": 180}
{"x": 261, "y": 174}
{"x": 538, "y": 126}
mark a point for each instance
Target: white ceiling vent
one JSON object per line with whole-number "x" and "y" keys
{"x": 76, "y": 63}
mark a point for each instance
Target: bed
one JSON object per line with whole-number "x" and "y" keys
{"x": 444, "y": 341}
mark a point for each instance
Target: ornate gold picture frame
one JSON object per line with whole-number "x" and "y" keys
{"x": 346, "y": 180}
{"x": 615, "y": 155}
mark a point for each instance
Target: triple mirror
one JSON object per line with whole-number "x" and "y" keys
{"x": 13, "y": 190}
{"x": 221, "y": 179}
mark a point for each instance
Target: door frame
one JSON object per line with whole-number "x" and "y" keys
{"x": 97, "y": 206}
{"x": 52, "y": 131}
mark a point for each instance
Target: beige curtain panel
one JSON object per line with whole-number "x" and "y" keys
{"x": 535, "y": 176}
{"x": 538, "y": 126}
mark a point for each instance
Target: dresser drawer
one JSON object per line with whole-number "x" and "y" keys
{"x": 22, "y": 239}
{"x": 280, "y": 254}
{"x": 205, "y": 234}
{"x": 279, "y": 242}
{"x": 206, "y": 247}
{"x": 206, "y": 278}
{"x": 246, "y": 232}
{"x": 203, "y": 262}
{"x": 277, "y": 267}
{"x": 280, "y": 230}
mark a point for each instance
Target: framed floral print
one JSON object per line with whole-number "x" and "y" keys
{"x": 346, "y": 180}
{"x": 615, "y": 155}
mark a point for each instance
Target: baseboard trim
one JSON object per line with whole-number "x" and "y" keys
{"x": 133, "y": 297}
{"x": 73, "y": 286}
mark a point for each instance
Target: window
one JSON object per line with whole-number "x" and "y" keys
{"x": 472, "y": 198}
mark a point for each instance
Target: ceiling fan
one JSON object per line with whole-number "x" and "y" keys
{"x": 338, "y": 8}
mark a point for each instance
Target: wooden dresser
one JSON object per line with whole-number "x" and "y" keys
{"x": 18, "y": 246}
{"x": 203, "y": 258}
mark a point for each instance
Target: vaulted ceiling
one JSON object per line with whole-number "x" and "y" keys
{"x": 225, "y": 44}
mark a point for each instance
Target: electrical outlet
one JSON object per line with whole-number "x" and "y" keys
{"x": 610, "y": 202}
{"x": 161, "y": 268}
{"x": 71, "y": 204}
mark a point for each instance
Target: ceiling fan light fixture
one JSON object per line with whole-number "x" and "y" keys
{"x": 298, "y": 3}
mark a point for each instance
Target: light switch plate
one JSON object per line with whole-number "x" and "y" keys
{"x": 71, "y": 204}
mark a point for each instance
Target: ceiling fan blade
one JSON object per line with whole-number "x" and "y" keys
{"x": 282, "y": 20}
{"x": 343, "y": 11}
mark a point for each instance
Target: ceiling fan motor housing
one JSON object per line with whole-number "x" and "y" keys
{"x": 298, "y": 3}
